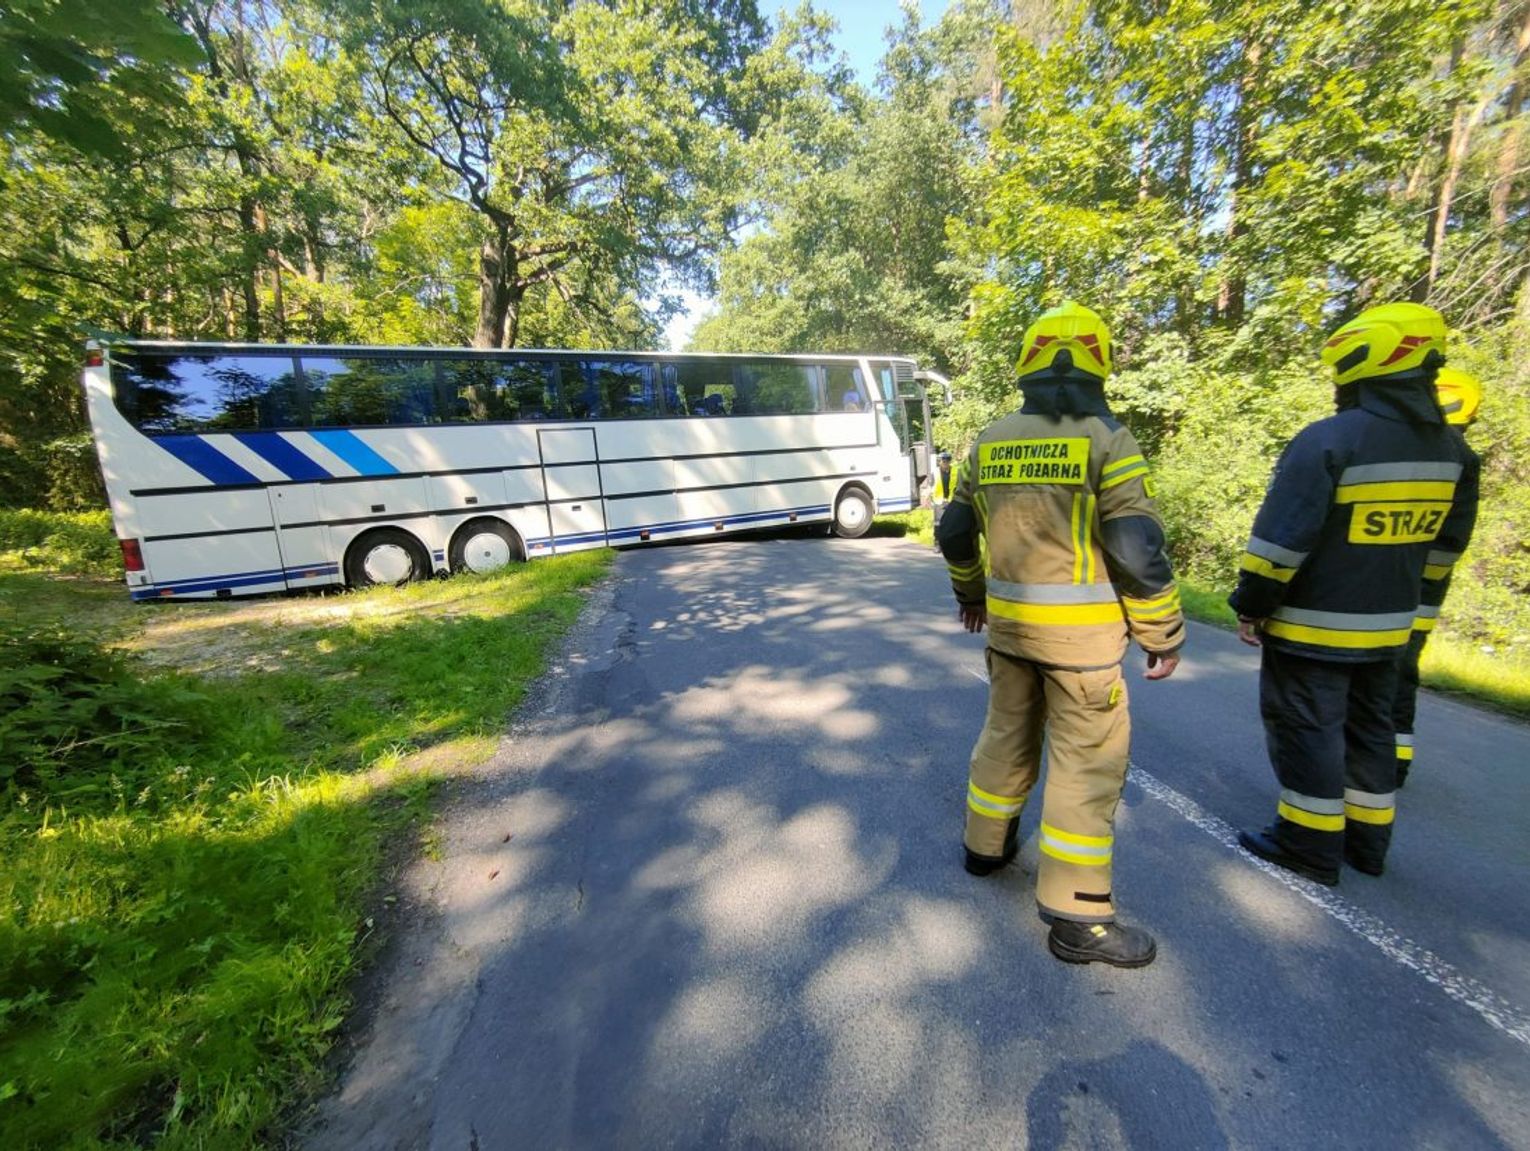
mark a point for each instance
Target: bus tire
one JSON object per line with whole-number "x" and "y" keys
{"x": 852, "y": 514}
{"x": 485, "y": 545}
{"x": 385, "y": 556}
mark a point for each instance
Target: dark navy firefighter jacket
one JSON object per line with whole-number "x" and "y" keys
{"x": 1359, "y": 505}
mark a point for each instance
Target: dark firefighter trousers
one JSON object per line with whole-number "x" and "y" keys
{"x": 1329, "y": 731}
{"x": 1405, "y": 706}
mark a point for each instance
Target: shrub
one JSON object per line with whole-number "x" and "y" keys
{"x": 77, "y": 543}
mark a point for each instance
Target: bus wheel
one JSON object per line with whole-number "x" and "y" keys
{"x": 852, "y": 514}
{"x": 386, "y": 556}
{"x": 485, "y": 545}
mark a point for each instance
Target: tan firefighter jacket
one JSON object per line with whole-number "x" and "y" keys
{"x": 1075, "y": 557}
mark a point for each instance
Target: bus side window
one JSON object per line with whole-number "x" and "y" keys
{"x": 625, "y": 389}
{"x": 846, "y": 388}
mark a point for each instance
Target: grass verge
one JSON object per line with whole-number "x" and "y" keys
{"x": 916, "y": 525}
{"x": 1450, "y": 664}
{"x": 189, "y": 854}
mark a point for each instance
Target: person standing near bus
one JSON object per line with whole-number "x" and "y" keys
{"x": 1076, "y": 565}
{"x": 942, "y": 487}
{"x": 1329, "y": 587}
{"x": 1460, "y": 395}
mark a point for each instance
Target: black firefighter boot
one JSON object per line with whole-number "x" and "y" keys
{"x": 1267, "y": 847}
{"x": 1112, "y": 943}
{"x": 986, "y": 864}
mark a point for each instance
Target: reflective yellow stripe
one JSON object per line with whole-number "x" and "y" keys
{"x": 1424, "y": 623}
{"x": 967, "y": 571}
{"x": 1059, "y": 613}
{"x": 987, "y": 812}
{"x": 1261, "y": 566}
{"x": 1376, "y": 815}
{"x": 1404, "y": 752}
{"x": 1437, "y": 571}
{"x": 1077, "y": 840}
{"x": 1088, "y": 540}
{"x": 1329, "y": 637}
{"x": 1160, "y": 607}
{"x": 1070, "y": 857}
{"x": 1395, "y": 490}
{"x": 1124, "y": 462}
{"x": 1307, "y": 819}
{"x": 1073, "y": 534}
{"x": 990, "y": 797}
{"x": 981, "y": 499}
{"x": 1139, "y": 470}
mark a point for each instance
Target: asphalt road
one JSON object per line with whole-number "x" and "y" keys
{"x": 730, "y": 910}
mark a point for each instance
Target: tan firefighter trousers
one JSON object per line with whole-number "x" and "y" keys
{"x": 1083, "y": 715}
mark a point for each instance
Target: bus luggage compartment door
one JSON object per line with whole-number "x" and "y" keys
{"x": 303, "y": 541}
{"x": 571, "y": 478}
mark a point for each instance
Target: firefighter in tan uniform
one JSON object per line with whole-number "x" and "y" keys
{"x": 1075, "y": 565}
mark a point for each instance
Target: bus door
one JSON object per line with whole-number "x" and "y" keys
{"x": 571, "y": 479}
{"x": 302, "y": 540}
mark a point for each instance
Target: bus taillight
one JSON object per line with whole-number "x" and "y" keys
{"x": 94, "y": 357}
{"x": 132, "y": 555}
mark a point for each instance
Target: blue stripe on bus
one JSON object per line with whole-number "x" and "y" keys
{"x": 894, "y": 505}
{"x": 237, "y": 579}
{"x": 683, "y": 525}
{"x": 282, "y": 454}
{"x": 208, "y": 461}
{"x": 353, "y": 450}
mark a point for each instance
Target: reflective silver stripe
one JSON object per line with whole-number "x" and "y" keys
{"x": 1369, "y": 799}
{"x": 989, "y": 805}
{"x": 1122, "y": 465}
{"x": 1311, "y": 803}
{"x": 1094, "y": 852}
{"x": 1052, "y": 592}
{"x": 1345, "y": 620}
{"x": 1408, "y": 470}
{"x": 1453, "y": 406}
{"x": 1436, "y": 556}
{"x": 1429, "y": 611}
{"x": 1285, "y": 557}
{"x": 1404, "y": 740}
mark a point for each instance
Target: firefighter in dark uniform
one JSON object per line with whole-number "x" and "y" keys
{"x": 1459, "y": 395}
{"x": 1330, "y": 587}
{"x": 1075, "y": 564}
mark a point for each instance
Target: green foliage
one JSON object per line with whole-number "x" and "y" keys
{"x": 188, "y": 860}
{"x": 79, "y": 543}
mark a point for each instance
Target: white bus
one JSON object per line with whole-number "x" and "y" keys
{"x": 236, "y": 469}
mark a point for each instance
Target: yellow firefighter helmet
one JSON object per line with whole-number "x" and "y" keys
{"x": 1460, "y": 395}
{"x": 1386, "y": 341}
{"x": 1068, "y": 327}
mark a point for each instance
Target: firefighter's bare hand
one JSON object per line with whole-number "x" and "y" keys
{"x": 1249, "y": 629}
{"x": 973, "y": 618}
{"x": 1161, "y": 666}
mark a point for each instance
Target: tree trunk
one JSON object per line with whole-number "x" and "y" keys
{"x": 1508, "y": 152}
{"x": 249, "y": 284}
{"x": 496, "y": 278}
{"x": 1233, "y": 290}
{"x": 1450, "y": 170}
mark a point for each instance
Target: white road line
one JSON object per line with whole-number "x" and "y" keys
{"x": 1490, "y": 1006}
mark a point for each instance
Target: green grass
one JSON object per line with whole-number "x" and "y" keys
{"x": 1450, "y": 664}
{"x": 915, "y": 525}
{"x": 185, "y": 897}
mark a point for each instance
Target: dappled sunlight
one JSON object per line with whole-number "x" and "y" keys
{"x": 714, "y": 1019}
{"x": 1268, "y": 906}
{"x": 932, "y": 940}
{"x": 765, "y": 883}
{"x": 757, "y": 700}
